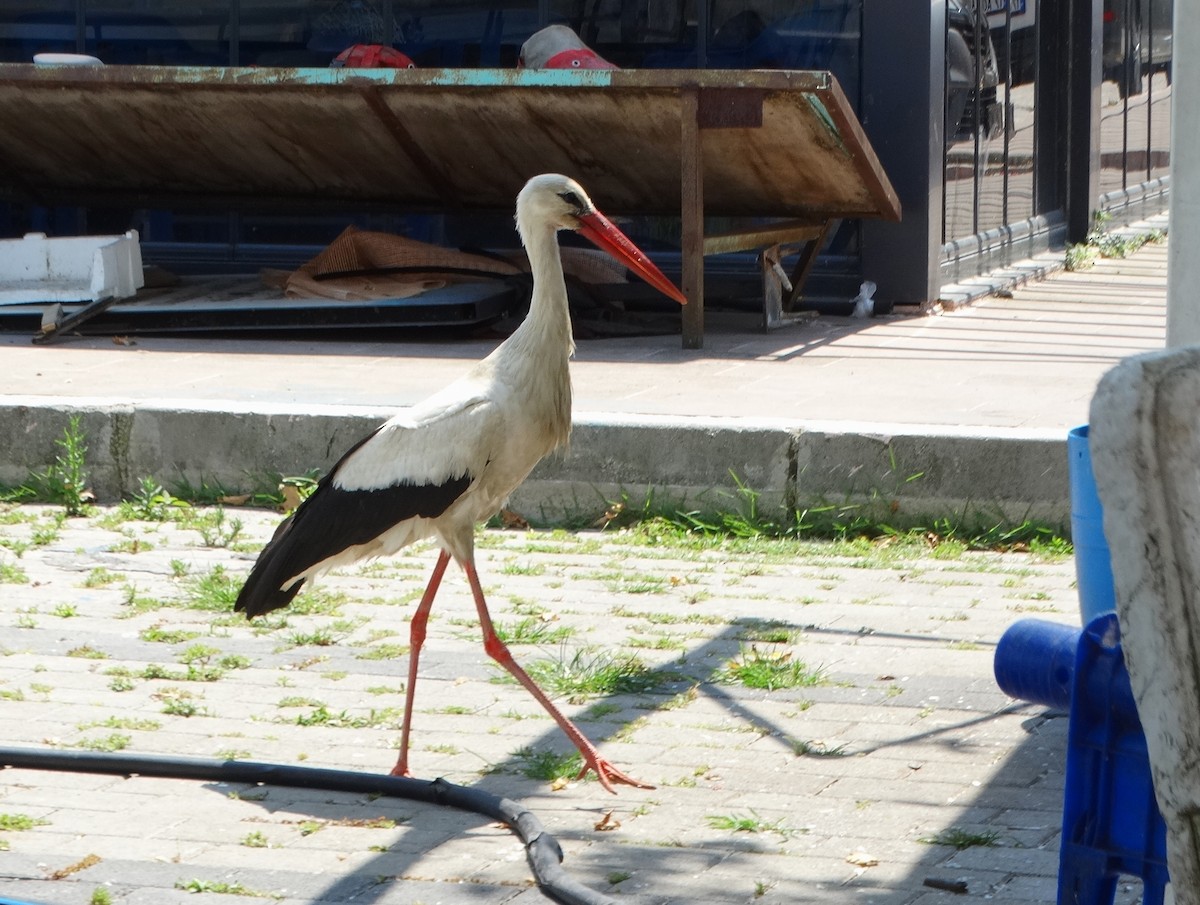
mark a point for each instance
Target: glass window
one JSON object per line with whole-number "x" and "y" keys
{"x": 1135, "y": 111}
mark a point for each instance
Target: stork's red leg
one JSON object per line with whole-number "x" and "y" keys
{"x": 416, "y": 637}
{"x": 498, "y": 651}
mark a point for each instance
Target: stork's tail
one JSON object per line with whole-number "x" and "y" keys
{"x": 263, "y": 591}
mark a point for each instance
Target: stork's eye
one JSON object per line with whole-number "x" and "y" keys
{"x": 572, "y": 199}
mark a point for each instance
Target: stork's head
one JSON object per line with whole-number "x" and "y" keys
{"x": 561, "y": 203}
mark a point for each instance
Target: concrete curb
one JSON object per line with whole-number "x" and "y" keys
{"x": 902, "y": 474}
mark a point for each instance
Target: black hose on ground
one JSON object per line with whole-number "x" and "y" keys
{"x": 544, "y": 853}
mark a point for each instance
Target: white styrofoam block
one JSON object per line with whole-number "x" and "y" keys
{"x": 73, "y": 269}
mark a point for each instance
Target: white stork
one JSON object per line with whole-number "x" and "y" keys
{"x": 452, "y": 461}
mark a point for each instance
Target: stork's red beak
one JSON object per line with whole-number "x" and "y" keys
{"x": 601, "y": 232}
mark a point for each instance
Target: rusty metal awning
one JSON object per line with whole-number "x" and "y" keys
{"x": 681, "y": 142}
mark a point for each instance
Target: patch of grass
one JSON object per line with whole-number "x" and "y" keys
{"x": 532, "y": 630}
{"x": 738, "y": 521}
{"x": 255, "y": 839}
{"x": 100, "y": 896}
{"x": 815, "y": 748}
{"x": 180, "y": 702}
{"x": 383, "y": 652}
{"x": 121, "y": 722}
{"x": 318, "y": 602}
{"x": 958, "y": 838}
{"x": 112, "y": 742}
{"x": 769, "y": 671}
{"x": 214, "y": 591}
{"x": 215, "y": 529}
{"x": 512, "y": 567}
{"x": 87, "y": 652}
{"x": 100, "y": 577}
{"x": 752, "y": 824}
{"x": 228, "y": 889}
{"x": 130, "y": 544}
{"x": 592, "y": 672}
{"x": 11, "y": 573}
{"x": 159, "y": 635}
{"x": 548, "y": 765}
{"x": 136, "y": 604}
{"x": 767, "y": 632}
{"x": 298, "y": 701}
{"x": 151, "y": 503}
{"x": 384, "y": 718}
{"x": 1100, "y": 243}
{"x": 19, "y": 823}
{"x": 659, "y": 618}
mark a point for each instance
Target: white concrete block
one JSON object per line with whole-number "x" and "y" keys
{"x": 73, "y": 269}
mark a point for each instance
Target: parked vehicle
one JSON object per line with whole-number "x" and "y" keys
{"x": 1137, "y": 41}
{"x": 971, "y": 74}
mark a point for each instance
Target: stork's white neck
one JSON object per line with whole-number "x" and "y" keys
{"x": 548, "y": 324}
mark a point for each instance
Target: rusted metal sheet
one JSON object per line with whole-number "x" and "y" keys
{"x": 778, "y": 144}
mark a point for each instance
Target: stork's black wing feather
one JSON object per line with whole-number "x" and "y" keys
{"x": 334, "y": 519}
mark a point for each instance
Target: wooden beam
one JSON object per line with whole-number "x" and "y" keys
{"x": 692, "y": 216}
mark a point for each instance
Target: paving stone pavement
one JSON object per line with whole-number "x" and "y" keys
{"x": 116, "y": 633}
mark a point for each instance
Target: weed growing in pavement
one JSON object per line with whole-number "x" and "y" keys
{"x": 11, "y": 573}
{"x": 135, "y": 604}
{"x": 298, "y": 701}
{"x": 229, "y": 889}
{"x": 214, "y": 591}
{"x": 591, "y": 672}
{"x": 817, "y": 749}
{"x": 100, "y": 577}
{"x": 19, "y": 823}
{"x": 383, "y": 652}
{"x": 151, "y": 503}
{"x": 962, "y": 839}
{"x": 766, "y": 632}
{"x": 769, "y": 671}
{"x": 655, "y": 522}
{"x": 113, "y": 742}
{"x": 159, "y": 635}
{"x": 121, "y": 722}
{"x": 752, "y": 824}
{"x": 16, "y": 547}
{"x": 548, "y": 765}
{"x": 87, "y": 652}
{"x": 532, "y": 630}
{"x": 256, "y": 839}
{"x": 384, "y": 718}
{"x": 1100, "y": 243}
{"x": 316, "y": 602}
{"x": 130, "y": 543}
{"x": 65, "y": 481}
{"x": 215, "y": 530}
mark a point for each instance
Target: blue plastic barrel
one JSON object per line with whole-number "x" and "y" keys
{"x": 1035, "y": 661}
{"x": 1093, "y": 565}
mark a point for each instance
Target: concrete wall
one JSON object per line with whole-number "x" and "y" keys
{"x": 899, "y": 475}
